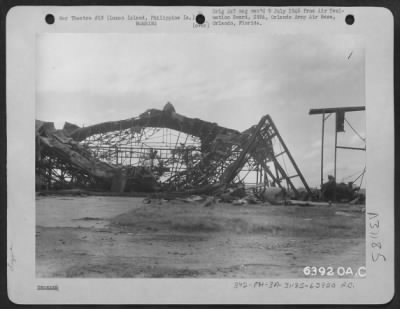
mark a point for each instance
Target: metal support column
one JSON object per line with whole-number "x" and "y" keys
{"x": 334, "y": 163}
{"x": 322, "y": 149}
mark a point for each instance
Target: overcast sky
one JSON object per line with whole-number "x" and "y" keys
{"x": 226, "y": 78}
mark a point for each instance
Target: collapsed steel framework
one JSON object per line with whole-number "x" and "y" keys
{"x": 161, "y": 150}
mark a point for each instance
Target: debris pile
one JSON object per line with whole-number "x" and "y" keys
{"x": 341, "y": 192}
{"x": 237, "y": 195}
{"x": 193, "y": 157}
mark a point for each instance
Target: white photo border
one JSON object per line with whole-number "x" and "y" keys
{"x": 24, "y": 23}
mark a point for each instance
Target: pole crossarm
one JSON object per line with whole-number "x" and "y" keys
{"x": 352, "y": 148}
{"x": 317, "y": 111}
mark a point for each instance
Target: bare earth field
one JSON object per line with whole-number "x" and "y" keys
{"x": 118, "y": 237}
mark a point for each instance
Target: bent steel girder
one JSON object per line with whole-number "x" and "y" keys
{"x": 157, "y": 119}
{"x": 213, "y": 155}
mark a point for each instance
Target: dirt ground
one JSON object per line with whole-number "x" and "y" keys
{"x": 124, "y": 237}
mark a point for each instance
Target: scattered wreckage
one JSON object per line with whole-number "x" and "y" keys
{"x": 169, "y": 154}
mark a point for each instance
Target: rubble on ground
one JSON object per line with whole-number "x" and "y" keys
{"x": 341, "y": 192}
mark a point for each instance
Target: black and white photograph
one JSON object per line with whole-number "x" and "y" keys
{"x": 200, "y": 155}
{"x": 228, "y": 157}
